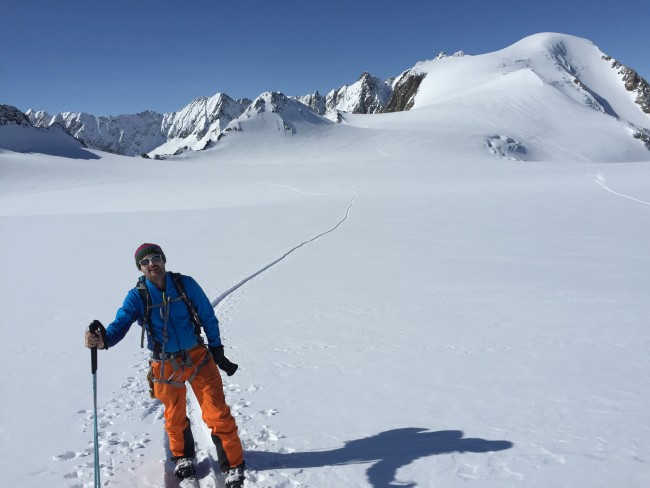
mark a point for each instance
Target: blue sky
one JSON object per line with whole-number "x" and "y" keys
{"x": 125, "y": 56}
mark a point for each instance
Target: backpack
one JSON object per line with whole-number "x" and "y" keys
{"x": 145, "y": 322}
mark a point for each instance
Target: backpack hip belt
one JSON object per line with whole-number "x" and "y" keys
{"x": 180, "y": 361}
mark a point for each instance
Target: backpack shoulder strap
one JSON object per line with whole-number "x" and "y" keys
{"x": 177, "y": 278}
{"x": 141, "y": 286}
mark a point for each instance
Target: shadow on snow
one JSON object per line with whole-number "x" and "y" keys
{"x": 387, "y": 451}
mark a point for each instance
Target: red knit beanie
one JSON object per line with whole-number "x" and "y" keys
{"x": 148, "y": 248}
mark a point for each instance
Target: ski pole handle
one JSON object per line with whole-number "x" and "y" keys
{"x": 93, "y": 328}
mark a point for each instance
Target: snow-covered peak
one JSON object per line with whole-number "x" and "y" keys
{"x": 199, "y": 123}
{"x": 315, "y": 101}
{"x": 513, "y": 80}
{"x": 39, "y": 118}
{"x": 202, "y": 115}
{"x": 275, "y": 114}
{"x": 129, "y": 134}
{"x": 367, "y": 96}
{"x": 574, "y": 66}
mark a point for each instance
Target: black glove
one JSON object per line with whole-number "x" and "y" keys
{"x": 222, "y": 361}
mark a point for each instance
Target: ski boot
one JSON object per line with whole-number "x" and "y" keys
{"x": 235, "y": 477}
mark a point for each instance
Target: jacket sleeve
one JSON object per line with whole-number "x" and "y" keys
{"x": 204, "y": 308}
{"x": 131, "y": 310}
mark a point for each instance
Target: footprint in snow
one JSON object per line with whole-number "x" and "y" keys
{"x": 66, "y": 455}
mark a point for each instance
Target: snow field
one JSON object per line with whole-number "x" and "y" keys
{"x": 493, "y": 308}
{"x": 474, "y": 321}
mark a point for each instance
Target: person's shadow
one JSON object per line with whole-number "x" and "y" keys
{"x": 387, "y": 451}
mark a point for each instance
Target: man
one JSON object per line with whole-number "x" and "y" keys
{"x": 169, "y": 312}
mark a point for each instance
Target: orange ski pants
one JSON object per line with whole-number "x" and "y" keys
{"x": 208, "y": 389}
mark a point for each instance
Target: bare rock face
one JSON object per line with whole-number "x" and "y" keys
{"x": 10, "y": 115}
{"x": 406, "y": 86}
{"x": 404, "y": 92}
{"x": 644, "y": 137}
{"x": 634, "y": 83}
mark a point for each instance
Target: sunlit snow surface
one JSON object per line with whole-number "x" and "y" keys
{"x": 474, "y": 320}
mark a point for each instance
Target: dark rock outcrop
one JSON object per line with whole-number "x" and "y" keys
{"x": 634, "y": 83}
{"x": 10, "y": 115}
{"x": 404, "y": 92}
{"x": 644, "y": 137}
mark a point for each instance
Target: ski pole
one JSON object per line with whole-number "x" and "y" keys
{"x": 92, "y": 328}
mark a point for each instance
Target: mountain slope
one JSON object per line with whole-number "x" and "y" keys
{"x": 572, "y": 65}
{"x": 548, "y": 97}
{"x": 18, "y": 135}
{"x": 518, "y": 100}
{"x": 273, "y": 115}
{"x": 191, "y": 128}
{"x": 199, "y": 123}
{"x": 129, "y": 135}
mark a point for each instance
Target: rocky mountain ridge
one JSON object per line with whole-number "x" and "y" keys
{"x": 368, "y": 95}
{"x": 19, "y": 135}
{"x": 634, "y": 83}
{"x": 206, "y": 120}
{"x": 10, "y": 115}
{"x": 276, "y": 115}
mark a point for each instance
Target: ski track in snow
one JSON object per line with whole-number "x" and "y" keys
{"x": 121, "y": 450}
{"x": 254, "y": 432}
{"x": 600, "y": 179}
{"x": 215, "y": 303}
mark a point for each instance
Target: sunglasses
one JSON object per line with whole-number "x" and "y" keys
{"x": 155, "y": 259}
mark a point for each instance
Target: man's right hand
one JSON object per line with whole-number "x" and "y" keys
{"x": 94, "y": 340}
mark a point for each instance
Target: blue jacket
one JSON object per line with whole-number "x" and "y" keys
{"x": 180, "y": 330}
